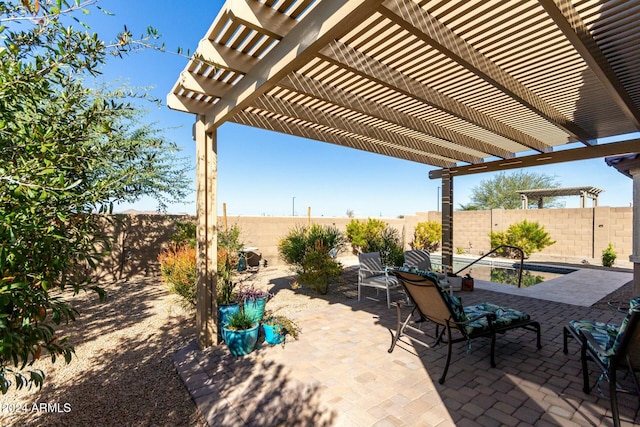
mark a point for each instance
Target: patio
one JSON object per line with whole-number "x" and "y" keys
{"x": 339, "y": 373}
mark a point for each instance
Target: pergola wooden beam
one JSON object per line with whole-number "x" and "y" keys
{"x": 186, "y": 105}
{"x": 359, "y": 63}
{"x": 318, "y": 133}
{"x": 584, "y": 153}
{"x": 301, "y": 44}
{"x": 225, "y": 57}
{"x": 264, "y": 20}
{"x": 204, "y": 85}
{"x": 568, "y": 20}
{"x": 414, "y": 19}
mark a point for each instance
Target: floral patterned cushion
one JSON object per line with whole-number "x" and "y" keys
{"x": 504, "y": 317}
{"x": 453, "y": 301}
{"x": 606, "y": 335}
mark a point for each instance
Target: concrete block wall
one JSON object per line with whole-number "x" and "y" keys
{"x": 581, "y": 234}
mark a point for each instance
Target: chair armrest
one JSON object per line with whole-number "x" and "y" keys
{"x": 593, "y": 344}
{"x": 373, "y": 271}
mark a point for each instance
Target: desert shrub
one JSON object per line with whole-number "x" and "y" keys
{"x": 307, "y": 250}
{"x": 427, "y": 235}
{"x": 178, "y": 269}
{"x": 366, "y": 236}
{"x": 529, "y": 236}
{"x": 301, "y": 240}
{"x": 609, "y": 256}
{"x": 178, "y": 263}
{"x": 319, "y": 270}
{"x": 185, "y": 234}
{"x": 375, "y": 235}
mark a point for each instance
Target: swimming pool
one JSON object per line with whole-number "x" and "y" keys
{"x": 506, "y": 272}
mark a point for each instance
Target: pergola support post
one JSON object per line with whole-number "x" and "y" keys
{"x": 447, "y": 221}
{"x": 206, "y": 234}
{"x": 635, "y": 254}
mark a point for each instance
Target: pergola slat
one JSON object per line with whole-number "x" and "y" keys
{"x": 279, "y": 106}
{"x": 415, "y": 20}
{"x": 328, "y": 93}
{"x": 357, "y": 62}
{"x": 345, "y": 140}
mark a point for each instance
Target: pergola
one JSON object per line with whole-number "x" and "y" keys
{"x": 467, "y": 86}
{"x": 540, "y": 193}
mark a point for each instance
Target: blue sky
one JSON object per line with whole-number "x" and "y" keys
{"x": 260, "y": 172}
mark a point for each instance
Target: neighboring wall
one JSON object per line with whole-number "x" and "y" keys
{"x": 580, "y": 234}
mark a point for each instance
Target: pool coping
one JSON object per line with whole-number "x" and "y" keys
{"x": 583, "y": 287}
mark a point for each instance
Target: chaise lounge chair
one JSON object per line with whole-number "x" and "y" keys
{"x": 611, "y": 347}
{"x": 431, "y": 302}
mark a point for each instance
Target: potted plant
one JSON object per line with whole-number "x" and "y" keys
{"x": 241, "y": 333}
{"x": 278, "y": 327}
{"x": 226, "y": 297}
{"x": 253, "y": 301}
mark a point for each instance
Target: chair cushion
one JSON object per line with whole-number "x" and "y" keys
{"x": 504, "y": 317}
{"x": 603, "y": 333}
{"x": 453, "y": 301}
{"x": 606, "y": 335}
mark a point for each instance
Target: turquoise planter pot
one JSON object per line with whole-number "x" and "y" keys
{"x": 241, "y": 342}
{"x": 272, "y": 334}
{"x": 255, "y": 309}
{"x": 224, "y": 312}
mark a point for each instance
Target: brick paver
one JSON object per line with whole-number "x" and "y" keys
{"x": 339, "y": 373}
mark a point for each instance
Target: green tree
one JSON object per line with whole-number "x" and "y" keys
{"x": 67, "y": 151}
{"x": 499, "y": 192}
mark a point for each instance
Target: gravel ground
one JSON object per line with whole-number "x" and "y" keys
{"x": 123, "y": 374}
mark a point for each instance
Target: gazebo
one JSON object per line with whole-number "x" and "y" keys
{"x": 465, "y": 86}
{"x": 540, "y": 193}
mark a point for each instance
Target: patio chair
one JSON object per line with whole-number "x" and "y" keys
{"x": 611, "y": 347}
{"x": 373, "y": 274}
{"x": 420, "y": 259}
{"x": 431, "y": 302}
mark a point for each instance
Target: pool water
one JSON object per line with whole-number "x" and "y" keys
{"x": 508, "y": 275}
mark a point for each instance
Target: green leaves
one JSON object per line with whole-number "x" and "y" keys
{"x": 67, "y": 150}
{"x": 500, "y": 192}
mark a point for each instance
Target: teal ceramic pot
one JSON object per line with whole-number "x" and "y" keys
{"x": 273, "y": 334}
{"x": 241, "y": 342}
{"x": 224, "y": 312}
{"x": 255, "y": 308}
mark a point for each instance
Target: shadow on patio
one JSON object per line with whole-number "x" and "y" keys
{"x": 340, "y": 373}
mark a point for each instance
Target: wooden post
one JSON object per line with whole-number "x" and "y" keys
{"x": 224, "y": 215}
{"x": 309, "y": 217}
{"x": 206, "y": 258}
{"x": 635, "y": 255}
{"x": 447, "y": 221}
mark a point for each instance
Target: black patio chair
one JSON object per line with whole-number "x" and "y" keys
{"x": 612, "y": 348}
{"x": 432, "y": 303}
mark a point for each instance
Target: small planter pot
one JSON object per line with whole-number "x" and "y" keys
{"x": 224, "y": 312}
{"x": 241, "y": 342}
{"x": 273, "y": 334}
{"x": 255, "y": 308}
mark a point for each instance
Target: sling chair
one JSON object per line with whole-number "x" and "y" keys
{"x": 611, "y": 347}
{"x": 432, "y": 303}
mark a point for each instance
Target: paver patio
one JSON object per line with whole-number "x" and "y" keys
{"x": 339, "y": 373}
